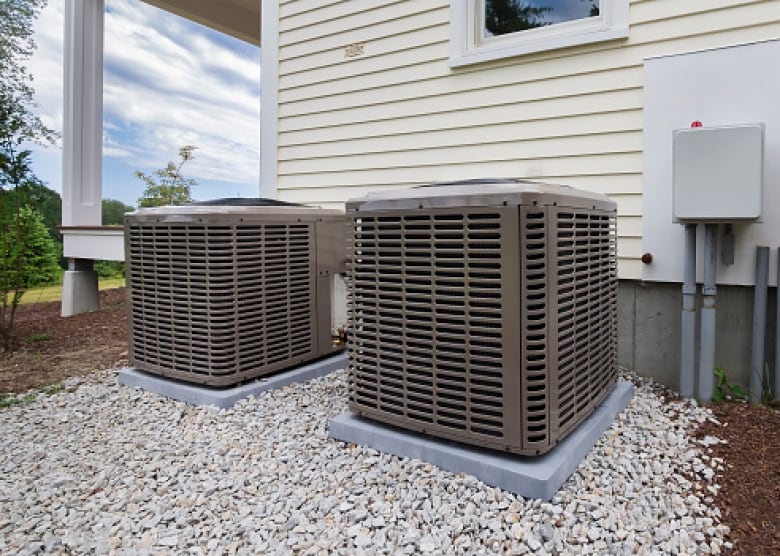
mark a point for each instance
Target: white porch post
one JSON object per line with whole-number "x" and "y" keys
{"x": 269, "y": 91}
{"x": 82, "y": 140}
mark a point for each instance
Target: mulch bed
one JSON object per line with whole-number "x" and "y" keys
{"x": 54, "y": 348}
{"x": 749, "y": 498}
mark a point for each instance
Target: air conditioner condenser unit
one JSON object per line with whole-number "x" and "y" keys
{"x": 484, "y": 311}
{"x": 231, "y": 290}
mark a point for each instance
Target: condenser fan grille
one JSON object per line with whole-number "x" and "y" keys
{"x": 492, "y": 326}
{"x": 586, "y": 323}
{"x": 215, "y": 303}
{"x": 426, "y": 313}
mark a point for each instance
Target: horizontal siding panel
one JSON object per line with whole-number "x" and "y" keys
{"x": 629, "y": 247}
{"x": 575, "y": 126}
{"x": 399, "y": 116}
{"x": 628, "y": 225}
{"x": 327, "y": 81}
{"x": 629, "y": 269}
{"x": 706, "y": 21}
{"x": 619, "y": 184}
{"x": 365, "y": 72}
{"x": 291, "y": 8}
{"x": 343, "y": 17}
{"x": 517, "y": 151}
{"x": 427, "y": 98}
{"x": 443, "y": 115}
{"x": 622, "y": 103}
{"x": 659, "y": 10}
{"x": 324, "y": 50}
{"x": 297, "y": 70}
{"x": 596, "y": 165}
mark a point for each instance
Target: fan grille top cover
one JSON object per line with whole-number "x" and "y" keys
{"x": 221, "y": 294}
{"x": 482, "y": 312}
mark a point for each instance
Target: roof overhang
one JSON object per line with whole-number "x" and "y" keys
{"x": 238, "y": 18}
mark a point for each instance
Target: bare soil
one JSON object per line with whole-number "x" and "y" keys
{"x": 54, "y": 348}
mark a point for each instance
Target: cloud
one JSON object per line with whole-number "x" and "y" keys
{"x": 168, "y": 82}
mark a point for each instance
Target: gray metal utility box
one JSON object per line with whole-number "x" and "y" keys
{"x": 233, "y": 290}
{"x": 482, "y": 311}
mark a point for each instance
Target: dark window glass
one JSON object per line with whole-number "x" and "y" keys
{"x": 510, "y": 16}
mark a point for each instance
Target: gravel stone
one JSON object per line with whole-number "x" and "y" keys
{"x": 99, "y": 468}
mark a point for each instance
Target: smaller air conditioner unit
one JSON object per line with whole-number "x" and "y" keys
{"x": 483, "y": 312}
{"x": 231, "y": 290}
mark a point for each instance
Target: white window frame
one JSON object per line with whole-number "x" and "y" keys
{"x": 468, "y": 46}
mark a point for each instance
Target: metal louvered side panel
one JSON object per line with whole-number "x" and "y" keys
{"x": 586, "y": 279}
{"x": 537, "y": 366}
{"x": 216, "y": 304}
{"x": 427, "y": 346}
{"x": 289, "y": 284}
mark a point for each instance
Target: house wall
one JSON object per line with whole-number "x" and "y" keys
{"x": 366, "y": 101}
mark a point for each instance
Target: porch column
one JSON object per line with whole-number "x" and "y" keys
{"x": 82, "y": 140}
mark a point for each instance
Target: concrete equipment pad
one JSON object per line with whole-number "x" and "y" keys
{"x": 530, "y": 477}
{"x": 225, "y": 398}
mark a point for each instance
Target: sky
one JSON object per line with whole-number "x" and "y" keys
{"x": 168, "y": 82}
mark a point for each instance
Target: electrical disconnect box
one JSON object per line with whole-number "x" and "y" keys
{"x": 718, "y": 173}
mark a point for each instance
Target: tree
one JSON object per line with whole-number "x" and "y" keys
{"x": 28, "y": 257}
{"x": 113, "y": 215}
{"x": 16, "y": 92}
{"x": 509, "y": 16}
{"x": 27, "y": 252}
{"x": 114, "y": 212}
{"x": 172, "y": 188}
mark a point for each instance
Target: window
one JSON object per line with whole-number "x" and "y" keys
{"x": 484, "y": 30}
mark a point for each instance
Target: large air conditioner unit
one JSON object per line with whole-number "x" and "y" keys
{"x": 226, "y": 291}
{"x": 483, "y": 311}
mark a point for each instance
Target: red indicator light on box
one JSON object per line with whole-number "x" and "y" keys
{"x": 696, "y": 123}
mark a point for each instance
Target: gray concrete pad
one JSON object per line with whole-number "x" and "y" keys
{"x": 530, "y": 477}
{"x": 227, "y": 397}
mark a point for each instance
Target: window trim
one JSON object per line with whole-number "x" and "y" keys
{"x": 467, "y": 46}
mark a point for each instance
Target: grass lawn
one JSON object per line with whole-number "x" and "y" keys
{"x": 54, "y": 293}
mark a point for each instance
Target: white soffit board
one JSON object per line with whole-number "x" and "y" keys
{"x": 238, "y": 18}
{"x": 721, "y": 87}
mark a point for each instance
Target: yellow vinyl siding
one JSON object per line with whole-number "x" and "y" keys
{"x": 398, "y": 116}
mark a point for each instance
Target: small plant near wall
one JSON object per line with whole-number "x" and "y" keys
{"x": 724, "y": 391}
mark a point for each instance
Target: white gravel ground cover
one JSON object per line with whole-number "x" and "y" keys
{"x": 109, "y": 470}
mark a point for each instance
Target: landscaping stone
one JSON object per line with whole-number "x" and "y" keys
{"x": 103, "y": 469}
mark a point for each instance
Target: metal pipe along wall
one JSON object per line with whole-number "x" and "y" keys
{"x": 707, "y": 340}
{"x": 688, "y": 330}
{"x": 759, "y": 324}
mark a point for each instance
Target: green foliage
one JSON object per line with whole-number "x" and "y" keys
{"x": 17, "y": 120}
{"x": 28, "y": 253}
{"x": 510, "y": 16}
{"x": 28, "y": 257}
{"x": 7, "y": 400}
{"x": 114, "y": 212}
{"x": 169, "y": 187}
{"x": 42, "y": 337}
{"x": 725, "y": 391}
{"x": 110, "y": 269}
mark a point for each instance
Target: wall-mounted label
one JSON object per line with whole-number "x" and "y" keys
{"x": 355, "y": 49}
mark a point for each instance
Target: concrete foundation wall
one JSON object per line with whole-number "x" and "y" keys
{"x": 649, "y": 330}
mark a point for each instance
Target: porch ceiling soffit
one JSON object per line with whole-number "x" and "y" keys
{"x": 238, "y": 18}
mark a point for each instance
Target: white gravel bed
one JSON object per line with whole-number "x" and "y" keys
{"x": 105, "y": 469}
